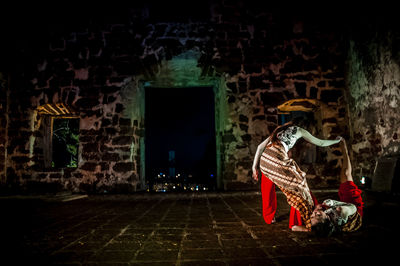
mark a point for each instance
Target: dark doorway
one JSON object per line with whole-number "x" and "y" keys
{"x": 180, "y": 139}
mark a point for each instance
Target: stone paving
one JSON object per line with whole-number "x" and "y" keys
{"x": 184, "y": 229}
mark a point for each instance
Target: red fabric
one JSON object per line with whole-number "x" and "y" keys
{"x": 269, "y": 204}
{"x": 350, "y": 193}
{"x": 295, "y": 217}
{"x": 268, "y": 195}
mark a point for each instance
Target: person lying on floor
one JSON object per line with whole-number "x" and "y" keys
{"x": 277, "y": 168}
{"x": 338, "y": 216}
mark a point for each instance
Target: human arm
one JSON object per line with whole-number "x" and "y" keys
{"x": 316, "y": 141}
{"x": 343, "y": 208}
{"x": 257, "y": 156}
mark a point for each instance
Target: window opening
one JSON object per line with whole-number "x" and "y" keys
{"x": 65, "y": 140}
{"x": 60, "y": 125}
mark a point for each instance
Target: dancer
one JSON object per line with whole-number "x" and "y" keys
{"x": 335, "y": 216}
{"x": 276, "y": 166}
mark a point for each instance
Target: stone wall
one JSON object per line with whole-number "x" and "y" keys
{"x": 255, "y": 58}
{"x": 3, "y": 126}
{"x": 270, "y": 59}
{"x": 374, "y": 95}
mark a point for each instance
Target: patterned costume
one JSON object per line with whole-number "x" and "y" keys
{"x": 283, "y": 171}
{"x": 349, "y": 194}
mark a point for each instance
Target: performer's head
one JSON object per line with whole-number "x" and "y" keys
{"x": 321, "y": 223}
{"x": 318, "y": 215}
{"x": 302, "y": 121}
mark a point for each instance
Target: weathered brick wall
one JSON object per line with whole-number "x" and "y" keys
{"x": 95, "y": 70}
{"x": 3, "y": 126}
{"x": 270, "y": 58}
{"x": 258, "y": 58}
{"x": 374, "y": 95}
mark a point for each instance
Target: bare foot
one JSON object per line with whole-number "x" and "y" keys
{"x": 299, "y": 228}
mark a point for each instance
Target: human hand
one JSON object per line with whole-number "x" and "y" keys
{"x": 255, "y": 175}
{"x": 339, "y": 138}
{"x": 342, "y": 143}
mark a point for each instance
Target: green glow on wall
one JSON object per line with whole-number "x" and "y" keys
{"x": 65, "y": 143}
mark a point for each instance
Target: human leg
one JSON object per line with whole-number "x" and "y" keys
{"x": 295, "y": 215}
{"x": 348, "y": 190}
{"x": 268, "y": 195}
{"x": 294, "y": 218}
{"x": 345, "y": 173}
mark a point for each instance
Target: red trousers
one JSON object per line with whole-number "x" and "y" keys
{"x": 268, "y": 195}
{"x": 350, "y": 193}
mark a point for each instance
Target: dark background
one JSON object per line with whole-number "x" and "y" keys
{"x": 181, "y": 119}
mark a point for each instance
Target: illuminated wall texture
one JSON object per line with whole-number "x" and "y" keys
{"x": 254, "y": 58}
{"x": 374, "y": 96}
{"x": 3, "y": 127}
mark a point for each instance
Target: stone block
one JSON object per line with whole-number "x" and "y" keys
{"x": 112, "y": 157}
{"x": 301, "y": 89}
{"x": 272, "y": 99}
{"x": 246, "y": 137}
{"x": 124, "y": 121}
{"x": 87, "y": 103}
{"x": 124, "y": 167}
{"x": 243, "y": 118}
{"x": 329, "y": 120}
{"x": 56, "y": 175}
{"x": 313, "y": 93}
{"x": 91, "y": 156}
{"x": 89, "y": 166}
{"x": 122, "y": 140}
{"x": 231, "y": 99}
{"x": 124, "y": 130}
{"x": 252, "y": 68}
{"x": 342, "y": 112}
{"x": 77, "y": 175}
{"x": 296, "y": 65}
{"x": 258, "y": 117}
{"x": 232, "y": 86}
{"x": 118, "y": 108}
{"x": 228, "y": 138}
{"x": 90, "y": 147}
{"x": 310, "y": 66}
{"x": 110, "y": 89}
{"x": 139, "y": 132}
{"x": 245, "y": 164}
{"x": 330, "y": 95}
{"x": 111, "y": 131}
{"x": 244, "y": 127}
{"x": 104, "y": 166}
{"x": 337, "y": 83}
{"x": 127, "y": 68}
{"x": 106, "y": 122}
{"x": 84, "y": 139}
{"x": 337, "y": 153}
{"x": 272, "y": 118}
{"x": 20, "y": 159}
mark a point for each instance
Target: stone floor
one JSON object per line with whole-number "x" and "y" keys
{"x": 184, "y": 229}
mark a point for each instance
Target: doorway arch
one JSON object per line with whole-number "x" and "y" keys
{"x": 182, "y": 71}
